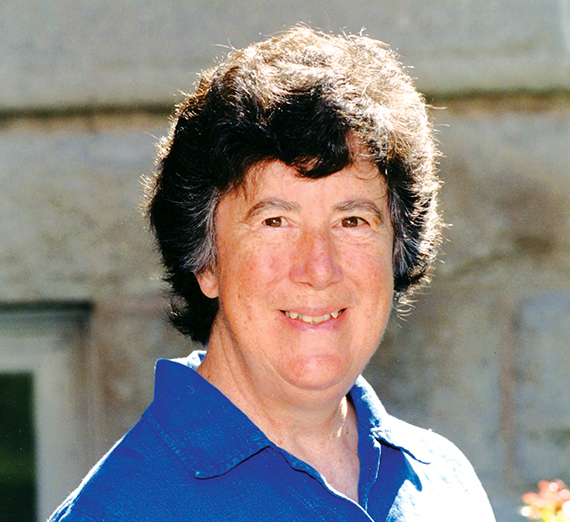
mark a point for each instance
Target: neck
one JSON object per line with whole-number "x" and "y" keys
{"x": 317, "y": 426}
{"x": 284, "y": 414}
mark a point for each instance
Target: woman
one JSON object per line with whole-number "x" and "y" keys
{"x": 294, "y": 206}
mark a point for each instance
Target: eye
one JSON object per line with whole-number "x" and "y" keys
{"x": 352, "y": 222}
{"x": 274, "y": 222}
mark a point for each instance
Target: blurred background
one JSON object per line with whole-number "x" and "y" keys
{"x": 86, "y": 89}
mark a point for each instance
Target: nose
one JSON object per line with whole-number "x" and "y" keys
{"x": 315, "y": 260}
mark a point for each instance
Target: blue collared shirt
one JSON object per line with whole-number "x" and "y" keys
{"x": 194, "y": 456}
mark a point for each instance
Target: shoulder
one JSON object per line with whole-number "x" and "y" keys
{"x": 446, "y": 476}
{"x": 430, "y": 448}
{"x": 137, "y": 479}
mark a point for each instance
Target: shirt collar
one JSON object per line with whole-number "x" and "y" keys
{"x": 373, "y": 418}
{"x": 187, "y": 409}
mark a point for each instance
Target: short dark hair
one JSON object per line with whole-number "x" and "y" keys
{"x": 301, "y": 98}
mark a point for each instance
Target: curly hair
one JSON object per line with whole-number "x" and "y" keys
{"x": 301, "y": 98}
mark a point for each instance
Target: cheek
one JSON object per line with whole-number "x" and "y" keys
{"x": 253, "y": 270}
{"x": 263, "y": 263}
{"x": 371, "y": 266}
{"x": 385, "y": 274}
{"x": 373, "y": 284}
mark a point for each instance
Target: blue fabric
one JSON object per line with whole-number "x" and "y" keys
{"x": 194, "y": 456}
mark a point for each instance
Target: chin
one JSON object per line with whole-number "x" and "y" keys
{"x": 320, "y": 373}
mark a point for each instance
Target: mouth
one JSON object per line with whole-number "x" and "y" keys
{"x": 313, "y": 319}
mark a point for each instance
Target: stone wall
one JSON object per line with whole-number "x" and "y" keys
{"x": 72, "y": 53}
{"x": 87, "y": 87}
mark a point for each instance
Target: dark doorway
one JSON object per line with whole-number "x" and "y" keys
{"x": 17, "y": 455}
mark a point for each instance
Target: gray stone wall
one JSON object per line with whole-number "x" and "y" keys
{"x": 72, "y": 53}
{"x": 85, "y": 90}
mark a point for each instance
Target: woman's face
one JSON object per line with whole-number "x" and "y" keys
{"x": 303, "y": 276}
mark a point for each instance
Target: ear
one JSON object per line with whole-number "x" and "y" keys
{"x": 208, "y": 283}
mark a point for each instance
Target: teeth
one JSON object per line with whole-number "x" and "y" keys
{"x": 313, "y": 320}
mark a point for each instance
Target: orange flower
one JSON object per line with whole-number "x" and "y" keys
{"x": 550, "y": 504}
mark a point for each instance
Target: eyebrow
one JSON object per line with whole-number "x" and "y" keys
{"x": 351, "y": 205}
{"x": 361, "y": 205}
{"x": 272, "y": 204}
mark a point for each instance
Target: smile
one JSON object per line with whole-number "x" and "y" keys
{"x": 313, "y": 320}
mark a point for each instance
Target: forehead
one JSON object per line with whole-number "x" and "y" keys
{"x": 276, "y": 178}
